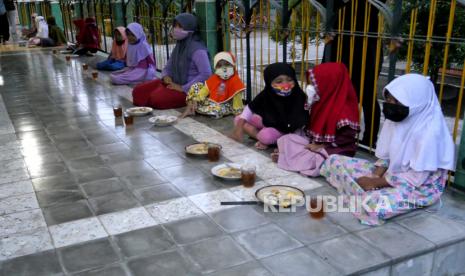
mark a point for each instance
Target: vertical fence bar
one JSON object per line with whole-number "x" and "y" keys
{"x": 364, "y": 57}
{"x": 375, "y": 83}
{"x": 328, "y": 29}
{"x": 446, "y": 50}
{"x": 432, "y": 13}
{"x": 284, "y": 22}
{"x": 394, "y": 33}
{"x": 248, "y": 16}
{"x": 413, "y": 25}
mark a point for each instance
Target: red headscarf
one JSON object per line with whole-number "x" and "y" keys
{"x": 338, "y": 104}
{"x": 223, "y": 90}
{"x": 89, "y": 34}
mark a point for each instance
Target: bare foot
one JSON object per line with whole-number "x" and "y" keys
{"x": 190, "y": 111}
{"x": 260, "y": 146}
{"x": 275, "y": 156}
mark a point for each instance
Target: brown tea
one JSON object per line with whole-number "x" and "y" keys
{"x": 85, "y": 66}
{"x": 68, "y": 58}
{"x": 95, "y": 75}
{"x": 213, "y": 153}
{"x": 248, "y": 178}
{"x": 317, "y": 209}
{"x": 128, "y": 119}
{"x": 55, "y": 52}
{"x": 118, "y": 111}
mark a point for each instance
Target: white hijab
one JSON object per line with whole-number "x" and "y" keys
{"x": 42, "y": 27}
{"x": 422, "y": 141}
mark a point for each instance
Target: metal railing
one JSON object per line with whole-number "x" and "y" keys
{"x": 424, "y": 36}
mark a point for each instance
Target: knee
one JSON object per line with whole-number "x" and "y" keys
{"x": 268, "y": 136}
{"x": 256, "y": 121}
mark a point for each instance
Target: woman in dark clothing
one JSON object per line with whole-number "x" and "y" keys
{"x": 55, "y": 35}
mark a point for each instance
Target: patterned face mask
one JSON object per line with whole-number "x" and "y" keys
{"x": 283, "y": 89}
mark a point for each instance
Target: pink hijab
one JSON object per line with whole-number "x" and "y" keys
{"x": 118, "y": 52}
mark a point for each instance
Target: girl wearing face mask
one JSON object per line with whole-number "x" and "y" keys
{"x": 221, "y": 95}
{"x": 117, "y": 57}
{"x": 279, "y": 109}
{"x": 333, "y": 124}
{"x": 189, "y": 63}
{"x": 139, "y": 58}
{"x": 415, "y": 151}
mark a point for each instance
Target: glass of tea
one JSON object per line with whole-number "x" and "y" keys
{"x": 85, "y": 66}
{"x": 94, "y": 75}
{"x": 213, "y": 152}
{"x": 118, "y": 111}
{"x": 68, "y": 59}
{"x": 128, "y": 119}
{"x": 248, "y": 175}
{"x": 55, "y": 52}
{"x": 317, "y": 208}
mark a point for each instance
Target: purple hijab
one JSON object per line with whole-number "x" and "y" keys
{"x": 139, "y": 51}
{"x": 181, "y": 57}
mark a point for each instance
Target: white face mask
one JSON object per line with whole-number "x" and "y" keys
{"x": 225, "y": 72}
{"x": 312, "y": 96}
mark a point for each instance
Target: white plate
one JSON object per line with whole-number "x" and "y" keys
{"x": 219, "y": 171}
{"x": 197, "y": 149}
{"x": 66, "y": 52}
{"x": 139, "y": 111}
{"x": 163, "y": 120}
{"x": 280, "y": 195}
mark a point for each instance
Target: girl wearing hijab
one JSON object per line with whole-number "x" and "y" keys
{"x": 333, "y": 124}
{"x": 221, "y": 95}
{"x": 188, "y": 64}
{"x": 42, "y": 31}
{"x": 31, "y": 32}
{"x": 88, "y": 38}
{"x": 139, "y": 58}
{"x": 116, "y": 59}
{"x": 56, "y": 36}
{"x": 415, "y": 151}
{"x": 278, "y": 110}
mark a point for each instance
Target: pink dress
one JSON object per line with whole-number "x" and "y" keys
{"x": 293, "y": 156}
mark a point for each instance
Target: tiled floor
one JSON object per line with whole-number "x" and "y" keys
{"x": 80, "y": 194}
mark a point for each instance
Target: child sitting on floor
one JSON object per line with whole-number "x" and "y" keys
{"x": 415, "y": 151}
{"x": 221, "y": 95}
{"x": 116, "y": 59}
{"x": 139, "y": 58}
{"x": 278, "y": 110}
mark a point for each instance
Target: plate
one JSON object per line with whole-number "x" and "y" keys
{"x": 280, "y": 195}
{"x": 228, "y": 171}
{"x": 139, "y": 111}
{"x": 163, "y": 120}
{"x": 199, "y": 149}
{"x": 66, "y": 52}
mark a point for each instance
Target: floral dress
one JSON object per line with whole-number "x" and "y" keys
{"x": 410, "y": 189}
{"x": 199, "y": 93}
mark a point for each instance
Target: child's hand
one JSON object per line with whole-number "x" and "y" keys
{"x": 366, "y": 183}
{"x": 167, "y": 80}
{"x": 175, "y": 86}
